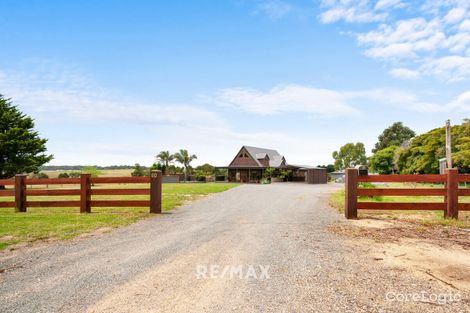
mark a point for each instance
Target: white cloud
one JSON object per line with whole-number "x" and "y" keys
{"x": 275, "y": 9}
{"x": 431, "y": 42}
{"x": 285, "y": 99}
{"x": 404, "y": 73}
{"x": 458, "y": 42}
{"x": 465, "y": 26}
{"x": 326, "y": 102}
{"x": 361, "y": 11}
{"x": 405, "y": 39}
{"x": 62, "y": 90}
{"x": 350, "y": 15}
{"x": 462, "y": 102}
{"x": 386, "y": 4}
{"x": 393, "y": 51}
{"x": 455, "y": 15}
{"x": 450, "y": 68}
{"x": 408, "y": 100}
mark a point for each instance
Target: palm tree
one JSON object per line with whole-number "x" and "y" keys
{"x": 165, "y": 157}
{"x": 185, "y": 159}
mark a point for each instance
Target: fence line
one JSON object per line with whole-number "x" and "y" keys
{"x": 85, "y": 192}
{"x": 451, "y": 193}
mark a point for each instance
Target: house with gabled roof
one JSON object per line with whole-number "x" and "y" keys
{"x": 250, "y": 163}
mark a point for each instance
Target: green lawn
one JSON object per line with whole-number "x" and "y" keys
{"x": 65, "y": 223}
{"x": 423, "y": 217}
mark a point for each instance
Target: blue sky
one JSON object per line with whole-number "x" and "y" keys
{"x": 115, "y": 82}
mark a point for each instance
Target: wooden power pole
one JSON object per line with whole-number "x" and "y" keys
{"x": 448, "y": 144}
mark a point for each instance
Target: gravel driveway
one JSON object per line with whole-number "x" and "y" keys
{"x": 254, "y": 248}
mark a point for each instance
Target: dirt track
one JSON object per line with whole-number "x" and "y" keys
{"x": 152, "y": 266}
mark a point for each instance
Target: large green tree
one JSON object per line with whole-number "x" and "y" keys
{"x": 21, "y": 148}
{"x": 424, "y": 152}
{"x": 461, "y": 157}
{"x": 183, "y": 157}
{"x": 395, "y": 135}
{"x": 350, "y": 155}
{"x": 382, "y": 161}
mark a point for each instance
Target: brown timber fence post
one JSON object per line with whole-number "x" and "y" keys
{"x": 20, "y": 193}
{"x": 452, "y": 199}
{"x": 155, "y": 192}
{"x": 350, "y": 207}
{"x": 85, "y": 193}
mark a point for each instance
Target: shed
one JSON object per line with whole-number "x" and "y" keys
{"x": 317, "y": 176}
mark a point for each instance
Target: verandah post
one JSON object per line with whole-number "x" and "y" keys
{"x": 20, "y": 193}
{"x": 155, "y": 192}
{"x": 85, "y": 193}
{"x": 452, "y": 199}
{"x": 350, "y": 204}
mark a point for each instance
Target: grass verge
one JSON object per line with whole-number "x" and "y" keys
{"x": 424, "y": 218}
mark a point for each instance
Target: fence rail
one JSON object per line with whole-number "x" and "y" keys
{"x": 85, "y": 191}
{"x": 450, "y": 192}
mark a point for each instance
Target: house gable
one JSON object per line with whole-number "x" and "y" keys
{"x": 244, "y": 158}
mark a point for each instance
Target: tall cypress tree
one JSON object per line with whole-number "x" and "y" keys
{"x": 21, "y": 148}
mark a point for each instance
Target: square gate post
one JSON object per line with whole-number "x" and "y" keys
{"x": 452, "y": 198}
{"x": 350, "y": 199}
{"x": 85, "y": 193}
{"x": 156, "y": 192}
{"x": 20, "y": 193}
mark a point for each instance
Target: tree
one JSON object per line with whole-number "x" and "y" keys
{"x": 184, "y": 158}
{"x": 40, "y": 175}
{"x": 423, "y": 154}
{"x": 64, "y": 175}
{"x": 461, "y": 157}
{"x": 350, "y": 155}
{"x": 74, "y": 174}
{"x": 284, "y": 175}
{"x": 205, "y": 170}
{"x": 268, "y": 172}
{"x": 91, "y": 170}
{"x": 394, "y": 135}
{"x": 139, "y": 171}
{"x": 157, "y": 166}
{"x": 382, "y": 161}
{"x": 329, "y": 168}
{"x": 165, "y": 157}
{"x": 21, "y": 148}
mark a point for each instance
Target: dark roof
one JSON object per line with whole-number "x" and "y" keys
{"x": 275, "y": 159}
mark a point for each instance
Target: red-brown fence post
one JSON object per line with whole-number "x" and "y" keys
{"x": 20, "y": 193}
{"x": 155, "y": 192}
{"x": 85, "y": 193}
{"x": 452, "y": 210}
{"x": 350, "y": 204}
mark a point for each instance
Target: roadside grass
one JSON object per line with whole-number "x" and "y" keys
{"x": 424, "y": 218}
{"x": 66, "y": 223}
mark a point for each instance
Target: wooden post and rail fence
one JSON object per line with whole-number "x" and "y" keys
{"x": 85, "y": 192}
{"x": 450, "y": 191}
